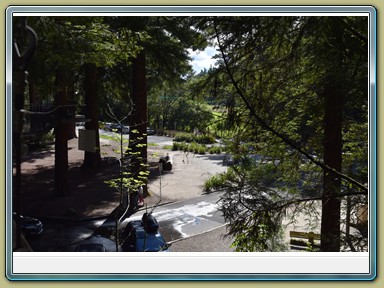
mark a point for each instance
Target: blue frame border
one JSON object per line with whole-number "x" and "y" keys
{"x": 191, "y": 10}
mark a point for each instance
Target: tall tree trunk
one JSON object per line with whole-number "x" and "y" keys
{"x": 92, "y": 159}
{"x": 61, "y": 138}
{"x": 139, "y": 116}
{"x": 330, "y": 224}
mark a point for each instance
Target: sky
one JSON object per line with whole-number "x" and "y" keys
{"x": 203, "y": 59}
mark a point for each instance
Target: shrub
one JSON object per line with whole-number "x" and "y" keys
{"x": 176, "y": 146}
{"x": 39, "y": 141}
{"x": 204, "y": 139}
{"x": 201, "y": 150}
{"x": 215, "y": 150}
{"x": 191, "y": 147}
{"x": 214, "y": 182}
{"x": 184, "y": 137}
{"x": 189, "y": 138}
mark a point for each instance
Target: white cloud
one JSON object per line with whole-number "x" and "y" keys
{"x": 211, "y": 51}
{"x": 202, "y": 59}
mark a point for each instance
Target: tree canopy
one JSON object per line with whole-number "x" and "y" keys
{"x": 292, "y": 81}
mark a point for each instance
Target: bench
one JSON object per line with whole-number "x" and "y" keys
{"x": 309, "y": 237}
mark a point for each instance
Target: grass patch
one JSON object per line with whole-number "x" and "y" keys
{"x": 108, "y": 137}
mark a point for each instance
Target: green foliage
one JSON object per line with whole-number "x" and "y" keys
{"x": 116, "y": 137}
{"x": 215, "y": 150}
{"x": 184, "y": 137}
{"x": 189, "y": 137}
{"x": 215, "y": 182}
{"x": 251, "y": 191}
{"x": 196, "y": 148}
{"x": 133, "y": 167}
{"x": 168, "y": 147}
{"x": 70, "y": 42}
{"x": 189, "y": 147}
{"x": 189, "y": 115}
{"x": 39, "y": 141}
{"x": 129, "y": 181}
{"x": 262, "y": 239}
{"x": 272, "y": 94}
{"x": 176, "y": 146}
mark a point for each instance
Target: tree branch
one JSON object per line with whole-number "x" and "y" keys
{"x": 285, "y": 139}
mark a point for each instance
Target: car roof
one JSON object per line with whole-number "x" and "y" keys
{"x": 90, "y": 247}
{"x": 153, "y": 241}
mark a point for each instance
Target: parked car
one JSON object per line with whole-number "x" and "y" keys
{"x": 150, "y": 131}
{"x": 96, "y": 243}
{"x": 119, "y": 128}
{"x": 115, "y": 127}
{"x": 143, "y": 236}
{"x": 80, "y": 120}
{"x": 90, "y": 247}
{"x": 29, "y": 226}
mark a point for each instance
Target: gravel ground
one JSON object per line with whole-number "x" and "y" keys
{"x": 187, "y": 177}
{"x": 89, "y": 196}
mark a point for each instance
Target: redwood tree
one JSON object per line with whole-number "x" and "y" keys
{"x": 91, "y": 159}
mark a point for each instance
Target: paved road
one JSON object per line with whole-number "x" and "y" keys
{"x": 63, "y": 236}
{"x": 160, "y": 140}
{"x": 186, "y": 218}
{"x": 210, "y": 241}
{"x": 177, "y": 221}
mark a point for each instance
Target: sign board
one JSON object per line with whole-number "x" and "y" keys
{"x": 87, "y": 140}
